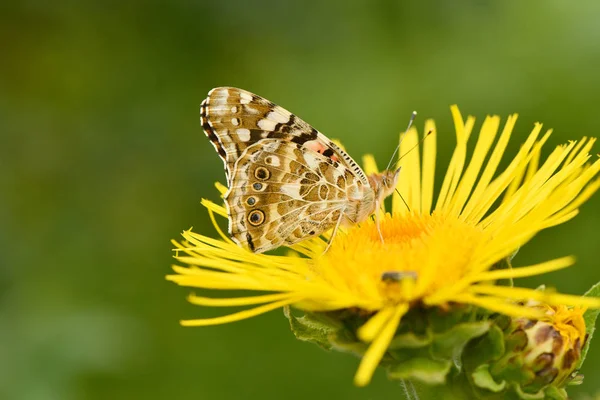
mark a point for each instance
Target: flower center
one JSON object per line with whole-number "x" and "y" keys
{"x": 420, "y": 255}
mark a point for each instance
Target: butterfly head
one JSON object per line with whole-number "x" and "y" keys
{"x": 384, "y": 183}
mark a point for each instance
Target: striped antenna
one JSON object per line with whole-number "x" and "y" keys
{"x": 410, "y": 122}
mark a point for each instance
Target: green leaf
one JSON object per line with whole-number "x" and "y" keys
{"x": 432, "y": 372}
{"x": 590, "y": 321}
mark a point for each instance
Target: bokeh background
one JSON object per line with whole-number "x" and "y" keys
{"x": 103, "y": 162}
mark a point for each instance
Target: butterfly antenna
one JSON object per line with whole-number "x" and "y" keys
{"x": 410, "y": 122}
{"x": 404, "y": 201}
{"x": 416, "y": 145}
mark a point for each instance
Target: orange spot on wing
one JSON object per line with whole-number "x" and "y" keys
{"x": 320, "y": 148}
{"x": 315, "y": 146}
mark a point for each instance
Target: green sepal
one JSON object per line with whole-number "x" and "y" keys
{"x": 429, "y": 342}
{"x": 450, "y": 344}
{"x": 432, "y": 372}
{"x": 456, "y": 388}
{"x": 345, "y": 340}
{"x": 429, "y": 357}
{"x": 554, "y": 393}
{"x": 313, "y": 327}
{"x": 485, "y": 349}
{"x": 590, "y": 321}
{"x": 483, "y": 379}
{"x": 439, "y": 321}
{"x": 529, "y": 396}
{"x": 326, "y": 331}
{"x": 549, "y": 393}
{"x": 409, "y": 340}
{"x": 576, "y": 379}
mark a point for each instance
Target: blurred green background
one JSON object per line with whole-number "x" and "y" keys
{"x": 103, "y": 161}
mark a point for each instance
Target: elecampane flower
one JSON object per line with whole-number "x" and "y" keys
{"x": 432, "y": 255}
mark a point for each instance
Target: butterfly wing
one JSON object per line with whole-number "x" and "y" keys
{"x": 234, "y": 119}
{"x": 281, "y": 193}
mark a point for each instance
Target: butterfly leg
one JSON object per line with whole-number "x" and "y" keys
{"x": 335, "y": 229}
{"x": 377, "y": 221}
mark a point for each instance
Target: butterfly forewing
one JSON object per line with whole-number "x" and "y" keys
{"x": 234, "y": 119}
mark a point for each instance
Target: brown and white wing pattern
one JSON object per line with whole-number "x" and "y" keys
{"x": 234, "y": 119}
{"x": 281, "y": 193}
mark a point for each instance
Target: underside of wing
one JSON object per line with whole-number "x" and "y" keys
{"x": 281, "y": 194}
{"x": 234, "y": 119}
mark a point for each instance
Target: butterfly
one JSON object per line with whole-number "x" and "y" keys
{"x": 286, "y": 181}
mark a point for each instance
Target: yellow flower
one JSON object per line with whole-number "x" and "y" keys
{"x": 432, "y": 256}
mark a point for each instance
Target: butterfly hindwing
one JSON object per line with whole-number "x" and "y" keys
{"x": 282, "y": 193}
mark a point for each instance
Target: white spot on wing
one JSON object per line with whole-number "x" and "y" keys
{"x": 311, "y": 161}
{"x": 233, "y": 109}
{"x": 280, "y": 116}
{"x": 219, "y": 100}
{"x": 291, "y": 189}
{"x": 266, "y": 124}
{"x": 245, "y": 98}
{"x": 217, "y": 110}
{"x": 235, "y": 121}
{"x": 244, "y": 134}
{"x": 273, "y": 160}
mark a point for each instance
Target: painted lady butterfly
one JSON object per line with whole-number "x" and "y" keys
{"x": 287, "y": 181}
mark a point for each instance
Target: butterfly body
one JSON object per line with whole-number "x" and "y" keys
{"x": 287, "y": 181}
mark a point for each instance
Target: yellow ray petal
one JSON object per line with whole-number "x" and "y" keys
{"x": 460, "y": 286}
{"x": 211, "y": 214}
{"x": 377, "y": 349}
{"x": 522, "y": 272}
{"x": 484, "y": 142}
{"x": 220, "y": 210}
{"x": 499, "y": 304}
{"x": 237, "y": 301}
{"x": 374, "y": 325}
{"x": 491, "y": 194}
{"x": 253, "y": 312}
{"x": 221, "y": 188}
{"x": 547, "y": 297}
{"x": 429, "y": 153}
{"x": 409, "y": 184}
{"x": 369, "y": 164}
{"x": 490, "y": 168}
{"x": 457, "y": 162}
